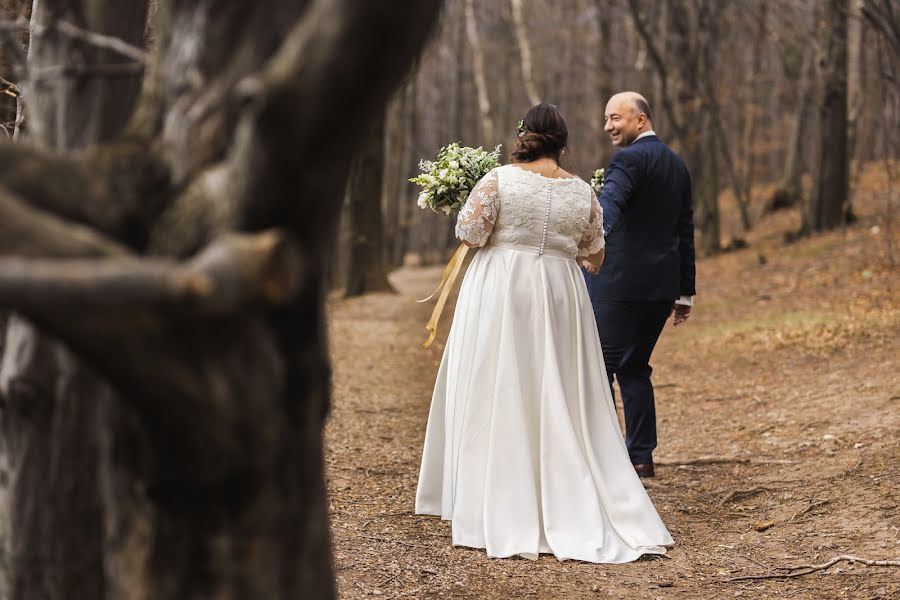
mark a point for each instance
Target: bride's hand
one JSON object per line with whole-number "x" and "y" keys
{"x": 591, "y": 268}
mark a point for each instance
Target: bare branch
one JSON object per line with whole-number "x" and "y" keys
{"x": 724, "y": 460}
{"x": 881, "y": 17}
{"x": 661, "y": 70}
{"x": 319, "y": 66}
{"x": 27, "y": 231}
{"x": 119, "y": 188}
{"x": 807, "y": 569}
{"x": 17, "y": 57}
{"x": 232, "y": 274}
{"x": 92, "y": 38}
{"x": 195, "y": 382}
{"x": 734, "y": 494}
{"x": 91, "y": 70}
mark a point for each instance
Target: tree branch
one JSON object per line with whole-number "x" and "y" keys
{"x": 661, "y": 70}
{"x": 94, "y": 70}
{"x": 119, "y": 188}
{"x": 17, "y": 57}
{"x": 99, "y": 40}
{"x": 807, "y": 569}
{"x": 27, "y": 231}
{"x": 320, "y": 66}
{"x": 198, "y": 384}
{"x": 234, "y": 273}
{"x": 883, "y": 20}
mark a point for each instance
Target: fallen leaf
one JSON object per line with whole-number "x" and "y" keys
{"x": 763, "y": 525}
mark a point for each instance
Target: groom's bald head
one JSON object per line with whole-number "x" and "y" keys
{"x": 627, "y": 116}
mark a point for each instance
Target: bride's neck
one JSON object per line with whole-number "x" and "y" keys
{"x": 544, "y": 161}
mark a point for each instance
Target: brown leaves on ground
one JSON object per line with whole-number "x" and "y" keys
{"x": 788, "y": 370}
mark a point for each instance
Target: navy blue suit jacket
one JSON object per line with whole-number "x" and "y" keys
{"x": 648, "y": 220}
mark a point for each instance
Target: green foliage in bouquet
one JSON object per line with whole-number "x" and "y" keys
{"x": 447, "y": 181}
{"x": 597, "y": 180}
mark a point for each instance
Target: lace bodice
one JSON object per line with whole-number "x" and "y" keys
{"x": 514, "y": 207}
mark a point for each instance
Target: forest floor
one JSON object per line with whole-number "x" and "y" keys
{"x": 779, "y": 426}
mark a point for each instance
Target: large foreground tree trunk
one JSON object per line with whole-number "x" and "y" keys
{"x": 183, "y": 260}
{"x": 58, "y": 411}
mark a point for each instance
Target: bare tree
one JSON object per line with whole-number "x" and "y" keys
{"x": 183, "y": 260}
{"x": 367, "y": 269}
{"x": 484, "y": 101}
{"x": 55, "y": 453}
{"x": 831, "y": 168}
{"x": 882, "y": 16}
{"x": 524, "y": 52}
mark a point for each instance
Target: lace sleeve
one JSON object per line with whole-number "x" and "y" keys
{"x": 592, "y": 240}
{"x": 476, "y": 219}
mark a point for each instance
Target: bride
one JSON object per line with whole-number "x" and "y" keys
{"x": 523, "y": 450}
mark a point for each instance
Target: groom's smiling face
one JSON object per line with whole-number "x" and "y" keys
{"x": 623, "y": 121}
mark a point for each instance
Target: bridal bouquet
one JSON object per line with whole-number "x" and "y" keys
{"x": 597, "y": 180}
{"x": 446, "y": 184}
{"x": 447, "y": 181}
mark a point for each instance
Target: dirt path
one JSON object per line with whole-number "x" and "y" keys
{"x": 788, "y": 375}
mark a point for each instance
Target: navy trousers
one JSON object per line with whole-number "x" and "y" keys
{"x": 628, "y": 333}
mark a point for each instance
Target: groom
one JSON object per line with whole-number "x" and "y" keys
{"x": 648, "y": 274}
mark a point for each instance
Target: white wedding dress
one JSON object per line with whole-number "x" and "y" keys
{"x": 523, "y": 450}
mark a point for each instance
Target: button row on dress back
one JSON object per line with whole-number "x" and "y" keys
{"x": 546, "y": 218}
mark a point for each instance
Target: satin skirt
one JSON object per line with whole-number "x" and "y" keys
{"x": 523, "y": 451}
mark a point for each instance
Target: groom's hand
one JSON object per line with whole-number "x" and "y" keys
{"x": 591, "y": 268}
{"x": 680, "y": 314}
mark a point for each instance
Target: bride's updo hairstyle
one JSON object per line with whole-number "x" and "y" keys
{"x": 542, "y": 132}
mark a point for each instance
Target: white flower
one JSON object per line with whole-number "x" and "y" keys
{"x": 447, "y": 182}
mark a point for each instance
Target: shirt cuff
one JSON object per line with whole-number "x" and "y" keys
{"x": 685, "y": 301}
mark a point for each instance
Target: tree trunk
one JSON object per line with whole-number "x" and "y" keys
{"x": 484, "y": 101}
{"x": 752, "y": 108}
{"x": 856, "y": 66}
{"x": 58, "y": 408}
{"x": 407, "y": 189}
{"x": 706, "y": 194}
{"x": 790, "y": 190}
{"x": 831, "y": 169}
{"x": 524, "y": 52}
{"x": 200, "y": 237}
{"x": 367, "y": 269}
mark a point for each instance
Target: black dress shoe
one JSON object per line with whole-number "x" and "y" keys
{"x": 645, "y": 470}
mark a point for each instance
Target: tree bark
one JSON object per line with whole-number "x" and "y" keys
{"x": 367, "y": 270}
{"x": 706, "y": 195}
{"x": 752, "y": 108}
{"x": 790, "y": 190}
{"x": 57, "y": 407}
{"x": 831, "y": 169}
{"x": 211, "y": 476}
{"x": 524, "y": 52}
{"x": 484, "y": 101}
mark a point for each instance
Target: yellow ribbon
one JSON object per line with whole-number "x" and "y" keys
{"x": 448, "y": 279}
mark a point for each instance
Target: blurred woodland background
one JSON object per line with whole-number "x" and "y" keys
{"x": 771, "y": 103}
